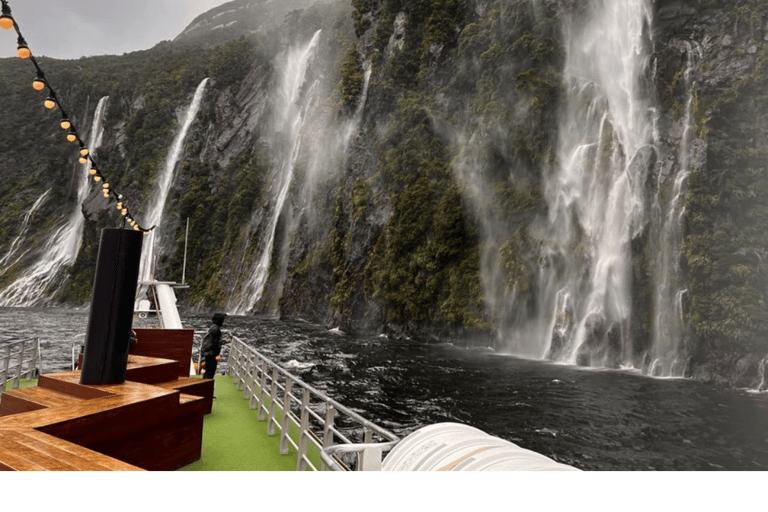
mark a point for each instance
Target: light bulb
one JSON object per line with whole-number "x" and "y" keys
{"x": 125, "y": 211}
{"x": 65, "y": 124}
{"x": 97, "y": 179}
{"x": 50, "y": 103}
{"x": 23, "y": 50}
{"x": 38, "y": 84}
{"x": 83, "y": 160}
{"x": 72, "y": 136}
{"x": 119, "y": 206}
{"x": 84, "y": 151}
{"x": 6, "y": 20}
{"x": 93, "y": 171}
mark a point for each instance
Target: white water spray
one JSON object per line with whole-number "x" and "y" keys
{"x": 290, "y": 110}
{"x": 596, "y": 196}
{"x": 5, "y": 261}
{"x": 164, "y": 182}
{"x": 668, "y": 321}
{"x": 35, "y": 285}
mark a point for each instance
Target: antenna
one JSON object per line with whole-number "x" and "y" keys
{"x": 184, "y": 268}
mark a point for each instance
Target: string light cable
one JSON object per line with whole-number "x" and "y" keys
{"x": 40, "y": 83}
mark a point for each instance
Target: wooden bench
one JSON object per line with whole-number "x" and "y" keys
{"x": 153, "y": 421}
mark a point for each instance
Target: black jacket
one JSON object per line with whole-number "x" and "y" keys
{"x": 212, "y": 342}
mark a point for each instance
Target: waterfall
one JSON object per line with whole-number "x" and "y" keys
{"x": 5, "y": 261}
{"x": 666, "y": 355}
{"x": 164, "y": 182}
{"x": 761, "y": 372}
{"x": 36, "y": 284}
{"x": 290, "y": 107}
{"x": 596, "y": 196}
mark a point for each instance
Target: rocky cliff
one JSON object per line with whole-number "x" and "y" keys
{"x": 426, "y": 133}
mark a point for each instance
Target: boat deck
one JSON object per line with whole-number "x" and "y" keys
{"x": 153, "y": 421}
{"x": 233, "y": 439}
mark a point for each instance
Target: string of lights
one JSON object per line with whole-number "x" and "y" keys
{"x": 40, "y": 84}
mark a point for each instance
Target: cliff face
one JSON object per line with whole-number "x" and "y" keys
{"x": 416, "y": 158}
{"x": 723, "y": 253}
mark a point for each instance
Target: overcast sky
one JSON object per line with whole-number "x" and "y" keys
{"x": 69, "y": 29}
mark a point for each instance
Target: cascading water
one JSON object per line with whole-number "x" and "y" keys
{"x": 164, "y": 182}
{"x": 35, "y": 285}
{"x": 291, "y": 101}
{"x": 762, "y": 386}
{"x": 667, "y": 356}
{"x": 5, "y": 261}
{"x": 596, "y": 197}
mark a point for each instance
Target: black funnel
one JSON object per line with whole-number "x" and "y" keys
{"x": 114, "y": 290}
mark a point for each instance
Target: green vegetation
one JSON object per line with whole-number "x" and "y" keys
{"x": 440, "y": 185}
{"x": 726, "y": 245}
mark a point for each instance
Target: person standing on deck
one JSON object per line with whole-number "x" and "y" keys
{"x": 212, "y": 343}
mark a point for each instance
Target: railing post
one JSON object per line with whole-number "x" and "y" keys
{"x": 330, "y": 415}
{"x": 4, "y": 368}
{"x": 233, "y": 368}
{"x": 33, "y": 358}
{"x": 248, "y": 377}
{"x": 367, "y": 439}
{"x": 371, "y": 459}
{"x": 261, "y": 415}
{"x": 301, "y": 464}
{"x": 272, "y": 399}
{"x": 255, "y": 371}
{"x": 285, "y": 424}
{"x": 17, "y": 378}
{"x": 36, "y": 366}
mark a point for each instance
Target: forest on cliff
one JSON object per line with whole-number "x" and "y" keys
{"x": 423, "y": 167}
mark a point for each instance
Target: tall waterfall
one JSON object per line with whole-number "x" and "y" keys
{"x": 164, "y": 182}
{"x": 667, "y": 358}
{"x": 290, "y": 110}
{"x": 35, "y": 285}
{"x": 596, "y": 197}
{"x": 5, "y": 261}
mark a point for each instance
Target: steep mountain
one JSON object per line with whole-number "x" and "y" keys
{"x": 583, "y": 182}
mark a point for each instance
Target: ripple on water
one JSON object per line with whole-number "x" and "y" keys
{"x": 599, "y": 420}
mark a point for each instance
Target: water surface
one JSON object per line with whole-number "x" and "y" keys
{"x": 592, "y": 419}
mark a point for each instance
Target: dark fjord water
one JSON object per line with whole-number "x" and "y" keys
{"x": 592, "y": 419}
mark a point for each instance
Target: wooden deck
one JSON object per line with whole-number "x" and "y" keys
{"x": 153, "y": 421}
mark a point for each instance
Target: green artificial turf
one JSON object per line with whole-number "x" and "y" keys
{"x": 233, "y": 439}
{"x": 22, "y": 384}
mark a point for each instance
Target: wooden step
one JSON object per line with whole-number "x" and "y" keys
{"x": 46, "y": 397}
{"x": 32, "y": 450}
{"x": 148, "y": 370}
{"x": 192, "y": 386}
{"x": 32, "y": 399}
{"x": 69, "y": 384}
{"x": 11, "y": 403}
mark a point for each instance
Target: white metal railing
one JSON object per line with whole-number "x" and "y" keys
{"x": 19, "y": 359}
{"x": 307, "y": 419}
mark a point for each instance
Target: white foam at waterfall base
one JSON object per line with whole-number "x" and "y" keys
{"x": 164, "y": 182}
{"x": 36, "y": 284}
{"x": 596, "y": 196}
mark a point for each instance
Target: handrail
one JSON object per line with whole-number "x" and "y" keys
{"x": 270, "y": 389}
{"x": 20, "y": 358}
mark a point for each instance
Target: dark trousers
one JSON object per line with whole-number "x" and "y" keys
{"x": 210, "y": 367}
